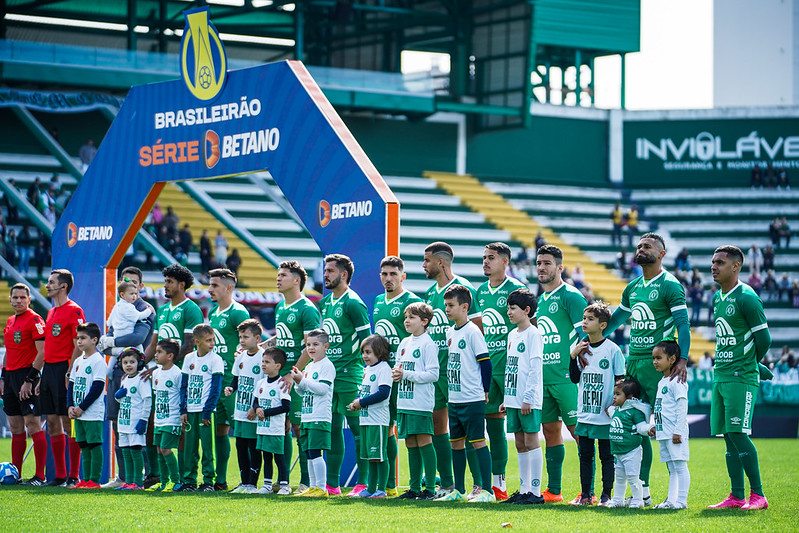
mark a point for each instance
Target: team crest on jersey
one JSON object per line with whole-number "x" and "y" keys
{"x": 205, "y": 368}
{"x": 653, "y": 295}
{"x": 177, "y": 315}
{"x": 462, "y": 344}
{"x": 17, "y": 337}
{"x": 502, "y": 301}
{"x": 417, "y": 353}
{"x": 272, "y": 392}
{"x": 315, "y": 375}
{"x": 730, "y": 310}
{"x": 521, "y": 347}
{"x": 372, "y": 377}
{"x": 88, "y": 369}
{"x": 664, "y": 390}
{"x": 256, "y": 369}
{"x": 223, "y": 323}
{"x": 338, "y": 312}
{"x": 292, "y": 318}
{"x": 40, "y": 328}
{"x": 395, "y": 311}
{"x": 604, "y": 364}
{"x": 553, "y": 307}
{"x": 56, "y": 330}
{"x": 133, "y": 390}
{"x": 168, "y": 383}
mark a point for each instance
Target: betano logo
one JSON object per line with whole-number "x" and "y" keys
{"x": 202, "y": 58}
{"x": 328, "y": 212}
{"x": 77, "y": 233}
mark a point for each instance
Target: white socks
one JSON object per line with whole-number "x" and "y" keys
{"x": 637, "y": 490}
{"x": 536, "y": 468}
{"x": 679, "y": 482}
{"x": 499, "y": 481}
{"x": 319, "y": 472}
{"x": 525, "y": 464}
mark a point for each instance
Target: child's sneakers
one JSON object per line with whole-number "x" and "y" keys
{"x": 316, "y": 492}
{"x": 604, "y": 501}
{"x": 756, "y": 502}
{"x": 529, "y": 498}
{"x": 285, "y": 490}
{"x": 355, "y": 492}
{"x": 730, "y": 502}
{"x": 207, "y": 487}
{"x": 476, "y": 490}
{"x": 336, "y": 491}
{"x": 484, "y": 496}
{"x": 161, "y": 487}
{"x": 666, "y": 505}
{"x": 130, "y": 486}
{"x": 78, "y": 485}
{"x": 302, "y": 487}
{"x": 114, "y": 484}
{"x": 645, "y": 502}
{"x": 408, "y": 495}
{"x": 453, "y": 496}
{"x": 579, "y": 500}
{"x": 378, "y": 494}
{"x": 550, "y": 497}
{"x": 91, "y": 485}
{"x": 616, "y": 503}
{"x": 499, "y": 494}
{"x": 426, "y": 495}
{"x": 392, "y": 492}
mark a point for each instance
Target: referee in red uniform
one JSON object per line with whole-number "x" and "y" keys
{"x": 60, "y": 349}
{"x": 24, "y": 341}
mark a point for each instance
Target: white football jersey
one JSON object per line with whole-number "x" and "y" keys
{"x": 524, "y": 379}
{"x": 669, "y": 418}
{"x": 418, "y": 357}
{"x": 464, "y": 381}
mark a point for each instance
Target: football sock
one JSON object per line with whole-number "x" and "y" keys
{"x": 428, "y": 454}
{"x": 335, "y": 456}
{"x": 127, "y": 463}
{"x": 748, "y": 455}
{"x": 474, "y": 465}
{"x": 415, "y": 469}
{"x": 137, "y": 460}
{"x": 444, "y": 460}
{"x": 371, "y": 486}
{"x": 459, "y": 469}
{"x": 484, "y": 460}
{"x": 354, "y": 423}
{"x": 74, "y": 458}
{"x": 391, "y": 455}
{"x": 222, "y": 446}
{"x": 646, "y": 462}
{"x": 525, "y": 481}
{"x": 382, "y": 475}
{"x": 59, "y": 445}
{"x": 40, "y": 452}
{"x": 554, "y": 458}
{"x": 536, "y": 468}
{"x": 735, "y": 468}
{"x": 498, "y": 441}
{"x": 18, "y": 445}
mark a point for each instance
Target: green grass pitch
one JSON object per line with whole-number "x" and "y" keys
{"x": 26, "y": 510}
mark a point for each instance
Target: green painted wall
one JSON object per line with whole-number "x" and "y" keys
{"x": 553, "y": 150}
{"x": 401, "y": 147}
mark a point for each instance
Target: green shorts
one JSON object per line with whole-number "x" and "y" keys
{"x": 414, "y": 423}
{"x": 344, "y": 393}
{"x": 225, "y": 408}
{"x": 315, "y": 435}
{"x": 731, "y": 408}
{"x": 644, "y": 372}
{"x": 392, "y": 404}
{"x": 560, "y": 403}
{"x": 245, "y": 430}
{"x": 441, "y": 386}
{"x": 295, "y": 411}
{"x": 90, "y": 431}
{"x": 270, "y": 443}
{"x": 496, "y": 393}
{"x": 517, "y": 422}
{"x": 467, "y": 421}
{"x": 592, "y": 431}
{"x": 374, "y": 443}
{"x": 167, "y": 437}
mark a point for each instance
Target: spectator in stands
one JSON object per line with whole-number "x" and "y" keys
{"x": 25, "y": 247}
{"x": 782, "y": 180}
{"x": 11, "y": 247}
{"x": 205, "y": 252}
{"x": 42, "y": 256}
{"x": 756, "y": 282}
{"x": 33, "y": 192}
{"x": 166, "y": 241}
{"x": 784, "y": 287}
{"x": 617, "y": 218}
{"x": 49, "y": 214}
{"x": 61, "y": 201}
{"x": 769, "y": 286}
{"x": 696, "y": 297}
{"x": 220, "y": 247}
{"x": 757, "y": 179}
{"x": 157, "y": 216}
{"x": 706, "y": 362}
{"x": 755, "y": 259}
{"x": 578, "y": 277}
{"x": 696, "y": 276}
{"x": 770, "y": 180}
{"x": 785, "y": 370}
{"x": 539, "y": 241}
{"x": 588, "y": 293}
{"x": 774, "y": 232}
{"x": 185, "y": 240}
{"x": 233, "y": 261}
{"x": 785, "y": 232}
{"x": 795, "y": 293}
{"x": 631, "y": 219}
{"x": 11, "y": 208}
{"x": 87, "y": 153}
{"x": 683, "y": 261}
{"x": 522, "y": 256}
{"x": 768, "y": 258}
{"x": 55, "y": 183}
{"x": 171, "y": 222}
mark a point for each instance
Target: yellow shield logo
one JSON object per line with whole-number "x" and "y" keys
{"x": 202, "y": 58}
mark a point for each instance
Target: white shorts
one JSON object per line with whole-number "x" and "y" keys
{"x": 673, "y": 452}
{"x": 132, "y": 439}
{"x": 629, "y": 463}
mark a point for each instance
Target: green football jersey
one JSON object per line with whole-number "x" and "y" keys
{"x": 389, "y": 319}
{"x": 559, "y": 318}
{"x": 175, "y": 322}
{"x": 440, "y": 324}
{"x": 739, "y": 314}
{"x": 292, "y": 322}
{"x": 651, "y": 304}
{"x": 493, "y": 302}
{"x": 343, "y": 319}
{"x": 226, "y": 336}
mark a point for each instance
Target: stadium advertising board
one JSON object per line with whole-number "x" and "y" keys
{"x": 707, "y": 152}
{"x": 215, "y": 123}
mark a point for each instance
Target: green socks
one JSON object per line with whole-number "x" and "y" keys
{"x": 222, "y": 444}
{"x": 288, "y": 450}
{"x": 378, "y": 475}
{"x": 459, "y": 469}
{"x": 336, "y": 454}
{"x": 747, "y": 454}
{"x": 484, "y": 460}
{"x": 391, "y": 455}
{"x": 93, "y": 462}
{"x": 152, "y": 459}
{"x": 171, "y": 469}
{"x": 554, "y": 458}
{"x": 428, "y": 454}
{"x": 499, "y": 445}
{"x": 734, "y": 468}
{"x": 646, "y": 460}
{"x": 127, "y": 462}
{"x": 354, "y": 423}
{"x": 415, "y": 469}
{"x": 138, "y": 467}
{"x": 444, "y": 460}
{"x": 474, "y": 464}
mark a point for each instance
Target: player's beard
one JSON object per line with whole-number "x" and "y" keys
{"x": 333, "y": 283}
{"x": 431, "y": 273}
{"x": 644, "y": 259}
{"x": 547, "y": 281}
